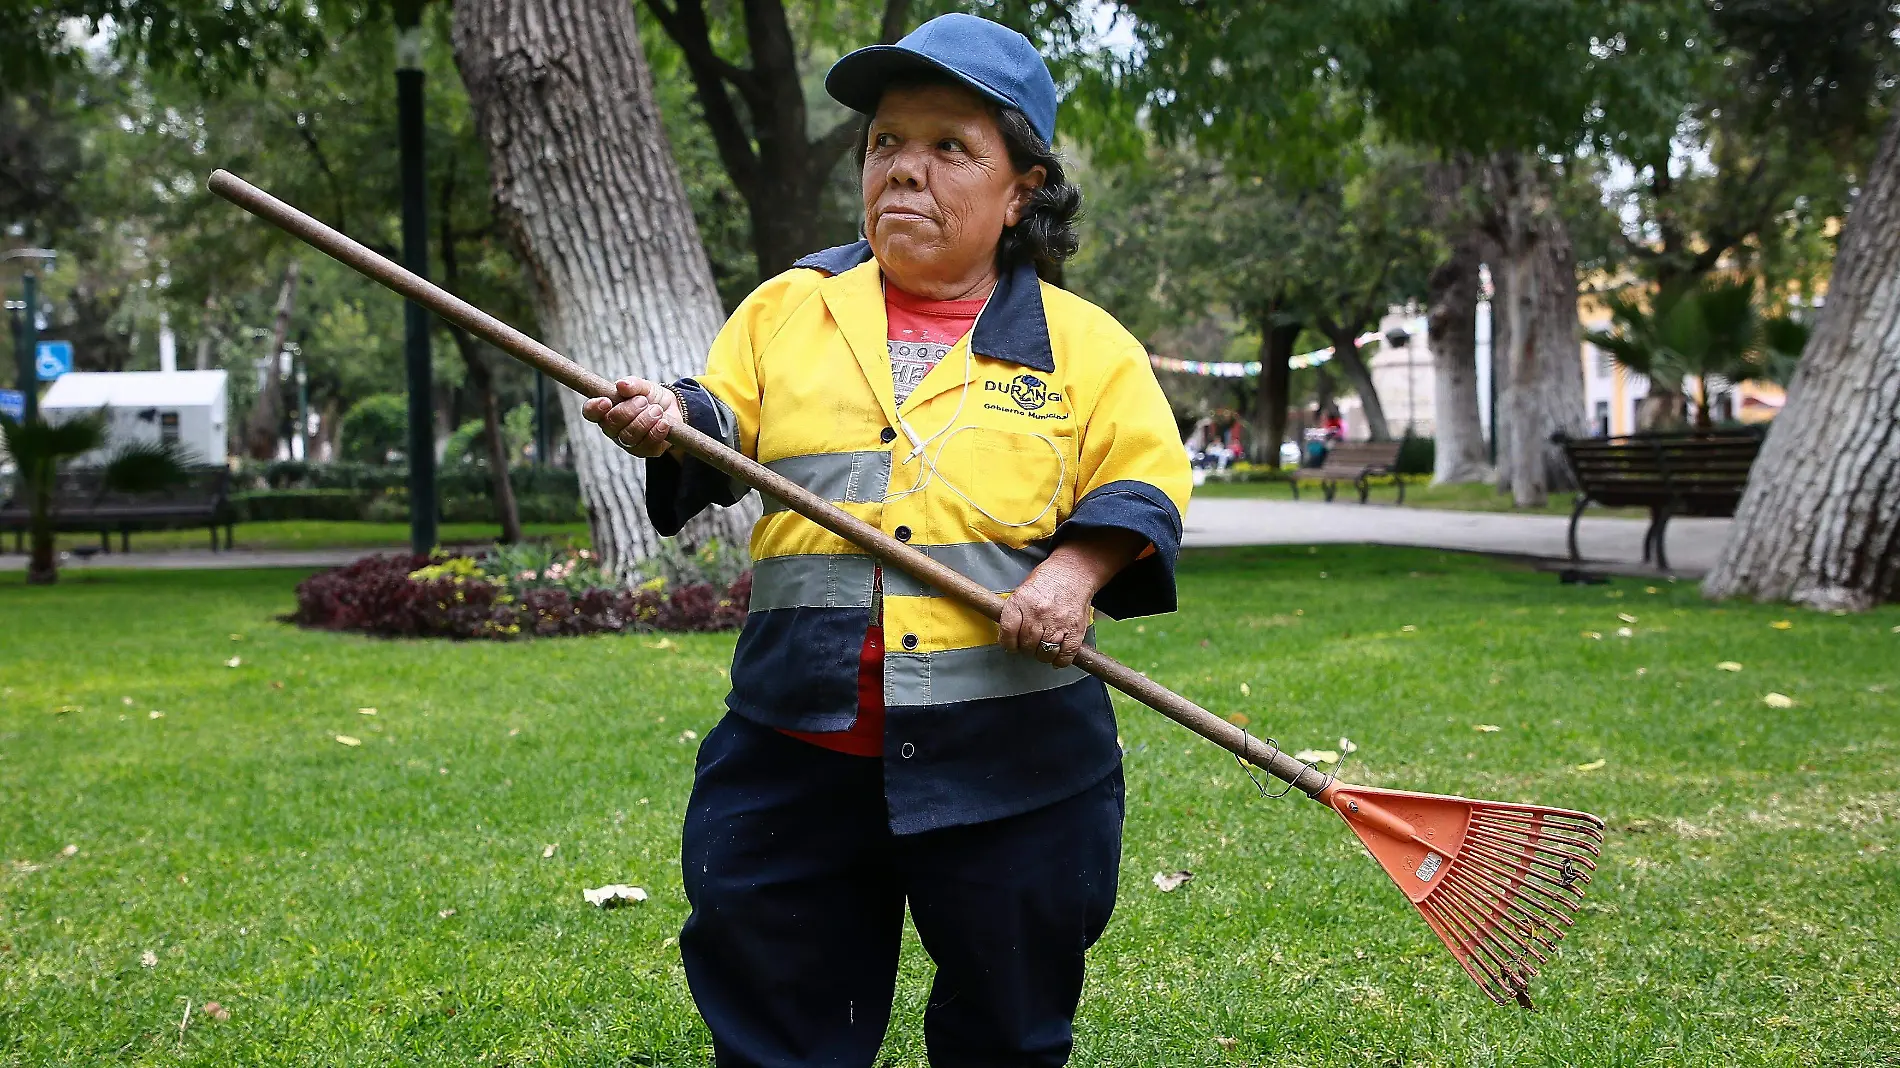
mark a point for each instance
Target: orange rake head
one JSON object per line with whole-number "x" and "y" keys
{"x": 1498, "y": 882}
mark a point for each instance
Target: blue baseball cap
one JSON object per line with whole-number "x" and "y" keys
{"x": 992, "y": 59}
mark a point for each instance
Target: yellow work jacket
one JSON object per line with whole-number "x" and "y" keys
{"x": 1044, "y": 420}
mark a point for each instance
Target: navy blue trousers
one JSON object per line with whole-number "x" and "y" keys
{"x": 798, "y": 890}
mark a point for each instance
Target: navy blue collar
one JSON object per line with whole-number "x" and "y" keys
{"x": 1012, "y": 328}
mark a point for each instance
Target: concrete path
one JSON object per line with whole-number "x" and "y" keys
{"x": 1614, "y": 545}
{"x": 201, "y": 559}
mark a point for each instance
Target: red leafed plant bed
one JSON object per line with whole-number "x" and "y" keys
{"x": 497, "y": 598}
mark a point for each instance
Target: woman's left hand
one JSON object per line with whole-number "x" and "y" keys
{"x": 1048, "y": 615}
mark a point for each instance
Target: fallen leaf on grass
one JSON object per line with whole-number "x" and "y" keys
{"x": 1782, "y": 624}
{"x": 547, "y": 851}
{"x": 613, "y": 895}
{"x": 1227, "y": 1043}
{"x": 365, "y": 711}
{"x": 512, "y": 731}
{"x": 1348, "y": 746}
{"x": 1650, "y": 589}
{"x": 344, "y": 739}
{"x": 1317, "y": 756}
{"x": 687, "y": 736}
{"x": 1592, "y": 765}
{"x": 1239, "y": 719}
{"x": 1728, "y": 665}
{"x": 1486, "y": 728}
{"x": 70, "y": 850}
{"x": 444, "y": 914}
{"x": 1778, "y": 700}
{"x": 213, "y": 1009}
{"x": 1626, "y": 617}
{"x": 148, "y": 959}
{"x": 1625, "y": 632}
{"x": 663, "y": 643}
{"x": 276, "y": 684}
{"x": 1246, "y": 690}
{"x": 1593, "y": 635}
{"x": 154, "y": 714}
{"x": 1170, "y": 881}
{"x": 1407, "y": 629}
{"x": 234, "y": 661}
{"x": 1896, "y": 630}
{"x": 124, "y": 701}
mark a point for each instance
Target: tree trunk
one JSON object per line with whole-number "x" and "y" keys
{"x": 1537, "y": 357}
{"x": 1820, "y": 522}
{"x": 763, "y": 135}
{"x": 1276, "y": 379}
{"x": 1353, "y": 367}
{"x": 1452, "y": 324}
{"x": 481, "y": 376}
{"x": 585, "y": 184}
{"x": 42, "y": 566}
{"x": 267, "y": 416}
{"x": 203, "y": 347}
{"x": 1660, "y": 409}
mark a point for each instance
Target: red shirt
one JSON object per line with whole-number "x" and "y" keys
{"x": 921, "y": 333}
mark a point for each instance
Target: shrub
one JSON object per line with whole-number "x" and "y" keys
{"x": 558, "y": 593}
{"x": 266, "y": 505}
{"x": 373, "y": 428}
{"x": 1417, "y": 455}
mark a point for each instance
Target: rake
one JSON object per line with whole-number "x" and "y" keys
{"x": 1499, "y": 883}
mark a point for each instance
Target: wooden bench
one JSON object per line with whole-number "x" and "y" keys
{"x": 1354, "y": 462}
{"x": 1669, "y": 474}
{"x": 81, "y": 502}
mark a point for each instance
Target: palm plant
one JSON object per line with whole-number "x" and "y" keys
{"x": 1708, "y": 329}
{"x": 39, "y": 449}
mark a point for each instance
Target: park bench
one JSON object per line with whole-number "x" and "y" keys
{"x": 81, "y": 502}
{"x": 1669, "y": 474}
{"x": 1355, "y": 462}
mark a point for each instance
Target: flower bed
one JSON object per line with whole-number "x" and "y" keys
{"x": 514, "y": 593}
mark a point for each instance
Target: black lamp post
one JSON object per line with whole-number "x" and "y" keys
{"x": 26, "y": 333}
{"x": 415, "y": 256}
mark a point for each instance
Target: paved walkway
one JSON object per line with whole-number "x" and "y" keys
{"x": 1614, "y": 545}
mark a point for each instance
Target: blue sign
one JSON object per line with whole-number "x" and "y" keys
{"x": 52, "y": 359}
{"x": 13, "y": 404}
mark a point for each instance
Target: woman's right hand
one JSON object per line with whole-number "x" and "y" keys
{"x": 637, "y": 417}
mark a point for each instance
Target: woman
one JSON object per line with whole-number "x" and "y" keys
{"x": 928, "y": 382}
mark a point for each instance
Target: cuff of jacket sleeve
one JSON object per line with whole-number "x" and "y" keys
{"x": 1145, "y": 587}
{"x": 680, "y": 488}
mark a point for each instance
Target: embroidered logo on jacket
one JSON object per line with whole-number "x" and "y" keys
{"x": 1027, "y": 391}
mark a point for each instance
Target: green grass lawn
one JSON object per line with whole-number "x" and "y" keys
{"x": 396, "y": 902}
{"x": 1463, "y": 497}
{"x": 323, "y": 534}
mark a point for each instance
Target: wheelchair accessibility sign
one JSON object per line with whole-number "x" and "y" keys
{"x": 52, "y": 359}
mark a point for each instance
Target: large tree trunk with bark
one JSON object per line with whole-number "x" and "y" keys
{"x": 585, "y": 183}
{"x": 1268, "y": 427}
{"x": 1451, "y": 319}
{"x": 1820, "y": 522}
{"x": 1352, "y": 367}
{"x": 267, "y": 416}
{"x": 1537, "y": 357}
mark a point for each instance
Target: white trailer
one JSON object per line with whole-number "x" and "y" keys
{"x": 186, "y": 407}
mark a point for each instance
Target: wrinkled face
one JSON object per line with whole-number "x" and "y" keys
{"x": 938, "y": 186}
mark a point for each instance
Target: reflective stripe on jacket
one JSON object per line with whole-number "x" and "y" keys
{"x": 1060, "y": 428}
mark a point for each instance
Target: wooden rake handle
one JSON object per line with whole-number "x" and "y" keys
{"x": 801, "y": 500}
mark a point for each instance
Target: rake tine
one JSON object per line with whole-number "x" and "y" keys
{"x": 1550, "y": 901}
{"x": 1541, "y": 841}
{"x": 1529, "y": 870}
{"x": 1521, "y": 925}
{"x": 1507, "y": 976}
{"x": 1469, "y": 958}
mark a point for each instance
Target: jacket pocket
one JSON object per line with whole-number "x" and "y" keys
{"x": 1014, "y": 487}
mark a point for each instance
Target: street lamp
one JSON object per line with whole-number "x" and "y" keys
{"x": 26, "y": 335}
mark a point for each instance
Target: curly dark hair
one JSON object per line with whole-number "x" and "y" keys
{"x": 1046, "y": 235}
